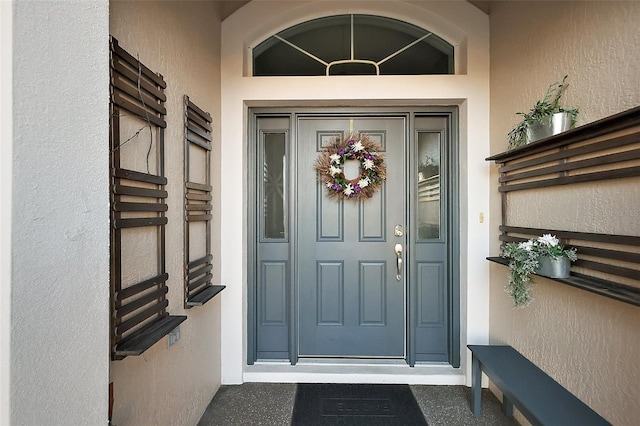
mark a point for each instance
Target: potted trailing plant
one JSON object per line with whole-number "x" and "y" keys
{"x": 546, "y": 118}
{"x": 542, "y": 256}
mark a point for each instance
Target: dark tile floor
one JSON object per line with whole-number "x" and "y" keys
{"x": 271, "y": 404}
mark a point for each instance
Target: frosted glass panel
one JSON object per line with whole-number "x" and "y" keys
{"x": 428, "y": 185}
{"x": 274, "y": 186}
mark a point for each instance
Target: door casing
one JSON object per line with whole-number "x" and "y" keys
{"x": 452, "y": 212}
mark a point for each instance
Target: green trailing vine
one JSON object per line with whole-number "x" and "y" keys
{"x": 524, "y": 261}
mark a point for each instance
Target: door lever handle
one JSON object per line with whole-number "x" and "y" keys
{"x": 398, "y": 250}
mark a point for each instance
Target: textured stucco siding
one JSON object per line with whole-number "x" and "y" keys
{"x": 60, "y": 213}
{"x": 181, "y": 41}
{"x": 6, "y": 181}
{"x": 587, "y": 342}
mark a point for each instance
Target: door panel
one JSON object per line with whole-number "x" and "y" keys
{"x": 273, "y": 271}
{"x": 350, "y": 303}
{"x": 430, "y": 250}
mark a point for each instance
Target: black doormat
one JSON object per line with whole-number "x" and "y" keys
{"x": 345, "y": 404}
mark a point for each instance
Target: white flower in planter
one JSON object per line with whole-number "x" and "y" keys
{"x": 526, "y": 245}
{"x": 549, "y": 240}
{"x": 524, "y": 260}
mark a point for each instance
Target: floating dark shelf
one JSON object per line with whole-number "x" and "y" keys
{"x": 142, "y": 339}
{"x": 208, "y": 293}
{"x": 599, "y": 286}
{"x": 597, "y": 128}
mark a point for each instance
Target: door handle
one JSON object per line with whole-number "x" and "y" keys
{"x": 398, "y": 250}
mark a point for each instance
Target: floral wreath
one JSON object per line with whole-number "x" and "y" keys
{"x": 330, "y": 167}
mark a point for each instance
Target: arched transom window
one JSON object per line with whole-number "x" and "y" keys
{"x": 353, "y": 45}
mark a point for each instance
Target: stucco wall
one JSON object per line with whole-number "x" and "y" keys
{"x": 60, "y": 213}
{"x": 6, "y": 167}
{"x": 588, "y": 343}
{"x": 461, "y": 24}
{"x": 181, "y": 41}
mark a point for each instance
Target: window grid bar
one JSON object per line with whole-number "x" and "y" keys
{"x": 404, "y": 48}
{"x": 352, "y": 43}
{"x": 301, "y": 50}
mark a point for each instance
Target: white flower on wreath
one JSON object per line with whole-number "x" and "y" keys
{"x": 363, "y": 183}
{"x": 334, "y": 170}
{"x": 367, "y": 164}
{"x": 335, "y": 158}
{"x": 549, "y": 240}
{"x": 358, "y": 146}
{"x": 526, "y": 245}
{"x": 348, "y": 190}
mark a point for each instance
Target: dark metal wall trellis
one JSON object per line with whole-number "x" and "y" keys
{"x": 138, "y": 310}
{"x": 608, "y": 265}
{"x": 198, "y": 289}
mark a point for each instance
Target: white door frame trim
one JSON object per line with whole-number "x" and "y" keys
{"x": 469, "y": 89}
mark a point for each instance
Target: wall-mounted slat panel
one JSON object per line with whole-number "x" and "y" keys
{"x": 134, "y": 92}
{"x": 140, "y": 222}
{"x": 135, "y": 63}
{"x": 139, "y": 207}
{"x": 200, "y": 261}
{"x": 197, "y": 203}
{"x": 139, "y": 192}
{"x": 139, "y": 317}
{"x": 564, "y": 167}
{"x": 141, "y": 301}
{"x": 140, "y": 287}
{"x": 199, "y": 207}
{"x": 142, "y": 113}
{"x": 198, "y": 186}
{"x": 193, "y": 109}
{"x": 607, "y": 149}
{"x": 140, "y": 177}
{"x": 206, "y": 279}
{"x": 199, "y": 197}
{"x": 132, "y": 77}
{"x": 581, "y": 178}
{"x": 202, "y": 133}
{"x": 572, "y": 152}
{"x": 198, "y": 119}
{"x": 604, "y": 260}
{"x": 202, "y": 143}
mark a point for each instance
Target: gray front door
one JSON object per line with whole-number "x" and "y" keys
{"x": 351, "y": 293}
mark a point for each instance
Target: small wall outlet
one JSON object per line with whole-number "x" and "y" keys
{"x": 173, "y": 336}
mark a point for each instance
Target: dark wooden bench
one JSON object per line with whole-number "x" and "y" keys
{"x": 542, "y": 400}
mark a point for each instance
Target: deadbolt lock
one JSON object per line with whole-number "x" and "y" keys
{"x": 398, "y": 231}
